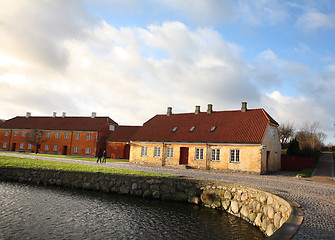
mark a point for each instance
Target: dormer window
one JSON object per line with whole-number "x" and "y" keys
{"x": 192, "y": 129}
{"x": 213, "y": 128}
{"x": 111, "y": 128}
{"x": 174, "y": 129}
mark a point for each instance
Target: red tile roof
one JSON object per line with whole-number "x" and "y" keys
{"x": 231, "y": 127}
{"x": 58, "y": 123}
{"x": 122, "y": 133}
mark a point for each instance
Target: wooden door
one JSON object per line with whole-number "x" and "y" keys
{"x": 64, "y": 150}
{"x": 183, "y": 155}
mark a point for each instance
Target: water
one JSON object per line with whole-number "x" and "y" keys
{"x": 38, "y": 212}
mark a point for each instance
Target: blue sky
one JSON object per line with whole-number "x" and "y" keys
{"x": 132, "y": 59}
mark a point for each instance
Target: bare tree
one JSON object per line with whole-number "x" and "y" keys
{"x": 286, "y": 132}
{"x": 309, "y": 137}
{"x": 36, "y": 138}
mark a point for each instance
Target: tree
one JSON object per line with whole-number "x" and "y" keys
{"x": 36, "y": 138}
{"x": 309, "y": 138}
{"x": 286, "y": 132}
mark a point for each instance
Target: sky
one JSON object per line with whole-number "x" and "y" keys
{"x": 131, "y": 59}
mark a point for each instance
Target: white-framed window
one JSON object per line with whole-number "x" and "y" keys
{"x": 6, "y": 133}
{"x": 169, "y": 152}
{"x": 87, "y": 150}
{"x": 21, "y": 145}
{"x": 15, "y": 133}
{"x": 46, "y": 147}
{"x": 215, "y": 154}
{"x": 57, "y": 135}
{"x": 66, "y": 135}
{"x": 77, "y": 136}
{"x": 234, "y": 155}
{"x": 199, "y": 154}
{"x": 76, "y": 149}
{"x": 4, "y": 145}
{"x": 55, "y": 147}
{"x": 30, "y": 146}
{"x": 144, "y": 151}
{"x": 89, "y": 136}
{"x": 111, "y": 128}
{"x": 23, "y": 134}
{"x": 272, "y": 133}
{"x": 48, "y": 134}
{"x": 157, "y": 151}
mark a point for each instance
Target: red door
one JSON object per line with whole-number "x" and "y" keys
{"x": 183, "y": 155}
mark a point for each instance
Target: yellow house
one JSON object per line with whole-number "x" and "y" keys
{"x": 244, "y": 140}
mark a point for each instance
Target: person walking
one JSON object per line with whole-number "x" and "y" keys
{"x": 99, "y": 156}
{"x": 104, "y": 159}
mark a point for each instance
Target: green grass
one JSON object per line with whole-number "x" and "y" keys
{"x": 82, "y": 158}
{"x": 16, "y": 162}
{"x": 306, "y": 172}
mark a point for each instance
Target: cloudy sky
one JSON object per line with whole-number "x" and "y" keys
{"x": 131, "y": 59}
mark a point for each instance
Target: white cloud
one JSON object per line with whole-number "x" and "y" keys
{"x": 312, "y": 19}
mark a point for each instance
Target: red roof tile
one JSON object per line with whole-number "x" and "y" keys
{"x": 122, "y": 133}
{"x": 231, "y": 127}
{"x": 58, "y": 123}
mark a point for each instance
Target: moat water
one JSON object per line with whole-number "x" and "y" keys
{"x": 39, "y": 212}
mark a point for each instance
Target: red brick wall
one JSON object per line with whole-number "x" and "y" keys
{"x": 118, "y": 149}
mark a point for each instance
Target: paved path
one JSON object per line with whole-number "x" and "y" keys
{"x": 316, "y": 198}
{"x": 324, "y": 171}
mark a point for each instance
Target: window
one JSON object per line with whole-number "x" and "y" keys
{"x": 192, "y": 129}
{"x": 169, "y": 152}
{"x": 23, "y": 134}
{"x": 15, "y": 133}
{"x": 87, "y": 150}
{"x": 89, "y": 136}
{"x": 199, "y": 154}
{"x": 46, "y": 147}
{"x": 48, "y": 134}
{"x": 6, "y": 133}
{"x": 76, "y": 149}
{"x": 55, "y": 147}
{"x": 57, "y": 136}
{"x": 4, "y": 145}
{"x": 174, "y": 129}
{"x": 157, "y": 151}
{"x": 77, "y": 136}
{"x": 30, "y": 146}
{"x": 21, "y": 145}
{"x": 144, "y": 151}
{"x": 215, "y": 154}
{"x": 234, "y": 155}
{"x": 273, "y": 133}
{"x": 213, "y": 128}
{"x": 66, "y": 135}
{"x": 111, "y": 128}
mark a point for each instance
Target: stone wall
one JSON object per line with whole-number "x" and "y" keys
{"x": 265, "y": 210}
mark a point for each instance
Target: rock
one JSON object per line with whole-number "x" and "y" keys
{"x": 252, "y": 217}
{"x": 234, "y": 207}
{"x": 258, "y": 220}
{"x": 225, "y": 204}
{"x": 262, "y": 199}
{"x": 147, "y": 194}
{"x": 270, "y": 200}
{"x": 276, "y": 219}
{"x": 134, "y": 186}
{"x": 156, "y": 194}
{"x": 227, "y": 195}
{"x": 181, "y": 197}
{"x": 269, "y": 230}
{"x": 216, "y": 203}
{"x": 265, "y": 224}
{"x": 244, "y": 211}
{"x": 166, "y": 197}
{"x": 124, "y": 190}
{"x": 207, "y": 197}
{"x": 271, "y": 212}
{"x": 194, "y": 200}
{"x": 244, "y": 197}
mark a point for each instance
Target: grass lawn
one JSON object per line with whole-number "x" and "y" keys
{"x": 6, "y": 161}
{"x": 306, "y": 172}
{"x": 82, "y": 158}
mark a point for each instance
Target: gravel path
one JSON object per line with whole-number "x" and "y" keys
{"x": 317, "y": 199}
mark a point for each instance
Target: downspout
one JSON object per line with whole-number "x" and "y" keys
{"x": 71, "y": 142}
{"x": 163, "y": 154}
{"x": 207, "y": 157}
{"x": 10, "y": 139}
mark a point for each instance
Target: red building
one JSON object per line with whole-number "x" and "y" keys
{"x": 117, "y": 145}
{"x": 62, "y": 135}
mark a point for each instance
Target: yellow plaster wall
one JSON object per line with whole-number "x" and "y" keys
{"x": 273, "y": 145}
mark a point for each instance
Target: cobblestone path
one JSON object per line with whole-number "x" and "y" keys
{"x": 317, "y": 199}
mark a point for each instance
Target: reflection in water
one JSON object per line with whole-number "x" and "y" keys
{"x": 37, "y": 212}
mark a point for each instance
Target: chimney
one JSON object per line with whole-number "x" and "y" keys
{"x": 94, "y": 114}
{"x": 54, "y": 114}
{"x": 210, "y": 108}
{"x": 197, "y": 109}
{"x": 64, "y": 114}
{"x": 169, "y": 111}
{"x": 244, "y": 107}
{"x": 28, "y": 115}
